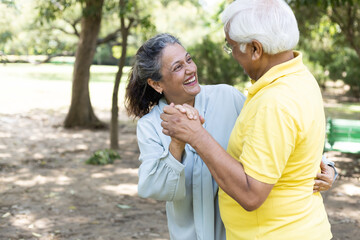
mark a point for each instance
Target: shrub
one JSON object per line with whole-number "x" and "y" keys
{"x": 103, "y": 157}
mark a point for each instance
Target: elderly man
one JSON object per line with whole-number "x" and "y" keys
{"x": 275, "y": 148}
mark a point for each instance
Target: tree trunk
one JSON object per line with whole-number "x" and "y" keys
{"x": 114, "y": 124}
{"x": 81, "y": 113}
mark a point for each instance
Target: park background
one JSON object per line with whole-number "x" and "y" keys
{"x": 63, "y": 74}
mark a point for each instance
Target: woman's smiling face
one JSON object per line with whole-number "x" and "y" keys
{"x": 179, "y": 82}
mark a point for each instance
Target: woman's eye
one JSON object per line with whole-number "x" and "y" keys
{"x": 178, "y": 67}
{"x": 189, "y": 59}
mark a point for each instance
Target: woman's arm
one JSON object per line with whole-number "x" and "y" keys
{"x": 161, "y": 175}
{"x": 326, "y": 177}
{"x": 227, "y": 171}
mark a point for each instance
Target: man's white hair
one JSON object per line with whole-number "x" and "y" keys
{"x": 271, "y": 22}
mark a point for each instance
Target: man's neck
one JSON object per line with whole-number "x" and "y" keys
{"x": 270, "y": 61}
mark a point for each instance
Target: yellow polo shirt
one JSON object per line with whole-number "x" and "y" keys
{"x": 279, "y": 139}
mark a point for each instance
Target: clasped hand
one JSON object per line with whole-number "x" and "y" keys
{"x": 182, "y": 122}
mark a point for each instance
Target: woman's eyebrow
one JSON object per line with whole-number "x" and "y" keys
{"x": 174, "y": 63}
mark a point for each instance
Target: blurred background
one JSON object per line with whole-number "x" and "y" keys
{"x": 63, "y": 73}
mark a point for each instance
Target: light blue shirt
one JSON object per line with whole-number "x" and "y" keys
{"x": 191, "y": 193}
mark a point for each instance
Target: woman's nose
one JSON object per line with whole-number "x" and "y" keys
{"x": 190, "y": 68}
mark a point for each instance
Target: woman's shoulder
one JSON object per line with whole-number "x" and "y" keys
{"x": 222, "y": 90}
{"x": 150, "y": 117}
{"x": 214, "y": 87}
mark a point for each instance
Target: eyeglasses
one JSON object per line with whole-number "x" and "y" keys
{"x": 227, "y": 47}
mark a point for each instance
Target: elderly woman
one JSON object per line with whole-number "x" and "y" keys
{"x": 170, "y": 170}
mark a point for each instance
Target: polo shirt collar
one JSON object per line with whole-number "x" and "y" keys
{"x": 276, "y": 72}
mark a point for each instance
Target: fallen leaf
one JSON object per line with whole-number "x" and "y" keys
{"x": 36, "y": 234}
{"x": 123, "y": 206}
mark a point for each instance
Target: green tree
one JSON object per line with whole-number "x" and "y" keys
{"x": 88, "y": 14}
{"x": 131, "y": 16}
{"x": 6, "y": 32}
{"x": 331, "y": 36}
{"x": 81, "y": 113}
{"x": 214, "y": 65}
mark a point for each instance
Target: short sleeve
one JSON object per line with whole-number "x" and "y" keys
{"x": 269, "y": 143}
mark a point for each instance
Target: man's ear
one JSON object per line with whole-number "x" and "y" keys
{"x": 256, "y": 50}
{"x": 155, "y": 85}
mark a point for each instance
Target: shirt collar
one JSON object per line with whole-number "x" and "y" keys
{"x": 200, "y": 102}
{"x": 276, "y": 72}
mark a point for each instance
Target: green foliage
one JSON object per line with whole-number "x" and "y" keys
{"x": 345, "y": 65}
{"x": 328, "y": 60}
{"x": 330, "y": 37}
{"x": 103, "y": 157}
{"x": 9, "y": 3}
{"x": 5, "y": 36}
{"x": 176, "y": 17}
{"x": 50, "y": 10}
{"x": 104, "y": 56}
{"x": 324, "y": 3}
{"x": 214, "y": 65}
{"x": 21, "y": 34}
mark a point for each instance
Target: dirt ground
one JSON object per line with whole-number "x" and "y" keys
{"x": 48, "y": 192}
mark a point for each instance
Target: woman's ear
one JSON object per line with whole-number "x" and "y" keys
{"x": 256, "y": 50}
{"x": 155, "y": 85}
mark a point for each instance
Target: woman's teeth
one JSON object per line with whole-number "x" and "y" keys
{"x": 190, "y": 80}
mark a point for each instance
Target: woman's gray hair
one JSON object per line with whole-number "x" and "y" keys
{"x": 271, "y": 22}
{"x": 139, "y": 97}
{"x": 148, "y": 58}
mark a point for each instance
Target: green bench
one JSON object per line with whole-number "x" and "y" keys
{"x": 343, "y": 135}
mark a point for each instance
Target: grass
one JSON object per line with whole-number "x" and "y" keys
{"x": 27, "y": 86}
{"x": 344, "y": 111}
{"x": 56, "y": 72}
{"x": 102, "y": 77}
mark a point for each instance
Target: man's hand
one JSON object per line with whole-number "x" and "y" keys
{"x": 324, "y": 180}
{"x": 177, "y": 125}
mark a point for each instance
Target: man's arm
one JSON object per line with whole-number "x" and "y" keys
{"x": 227, "y": 171}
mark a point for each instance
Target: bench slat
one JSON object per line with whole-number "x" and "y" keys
{"x": 342, "y": 130}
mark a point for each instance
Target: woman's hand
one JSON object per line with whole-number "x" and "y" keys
{"x": 177, "y": 125}
{"x": 324, "y": 180}
{"x": 190, "y": 112}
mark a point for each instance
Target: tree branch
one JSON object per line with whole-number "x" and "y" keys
{"x": 131, "y": 21}
{"x": 110, "y": 37}
{"x": 49, "y": 57}
{"x": 65, "y": 31}
{"x": 73, "y": 25}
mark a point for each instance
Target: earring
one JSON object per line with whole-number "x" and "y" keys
{"x": 161, "y": 92}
